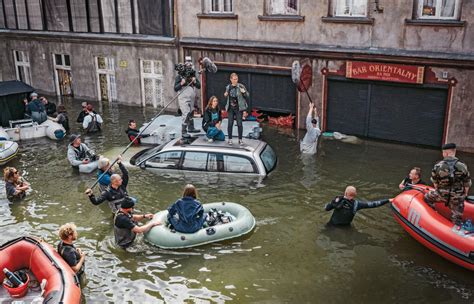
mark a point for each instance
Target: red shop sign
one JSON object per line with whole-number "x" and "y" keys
{"x": 385, "y": 72}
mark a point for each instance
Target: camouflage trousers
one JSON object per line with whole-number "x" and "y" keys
{"x": 456, "y": 203}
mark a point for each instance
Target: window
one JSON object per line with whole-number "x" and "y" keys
{"x": 62, "y": 74}
{"x": 238, "y": 164}
{"x": 169, "y": 160}
{"x": 152, "y": 82}
{"x": 220, "y": 6}
{"x": 269, "y": 158}
{"x": 106, "y": 78}
{"x": 350, "y": 8}
{"x": 22, "y": 66}
{"x": 195, "y": 161}
{"x": 438, "y": 9}
{"x": 282, "y": 7}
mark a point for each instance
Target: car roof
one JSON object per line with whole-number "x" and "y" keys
{"x": 202, "y": 142}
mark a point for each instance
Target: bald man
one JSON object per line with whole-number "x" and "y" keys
{"x": 115, "y": 193}
{"x": 345, "y": 207}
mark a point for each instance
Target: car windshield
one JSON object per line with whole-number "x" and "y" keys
{"x": 269, "y": 158}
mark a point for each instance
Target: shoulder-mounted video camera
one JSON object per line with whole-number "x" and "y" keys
{"x": 186, "y": 71}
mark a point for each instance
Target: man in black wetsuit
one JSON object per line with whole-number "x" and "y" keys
{"x": 132, "y": 132}
{"x": 345, "y": 207}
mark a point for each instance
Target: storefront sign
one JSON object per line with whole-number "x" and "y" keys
{"x": 384, "y": 72}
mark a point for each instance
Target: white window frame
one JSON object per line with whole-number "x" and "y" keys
{"x": 57, "y": 67}
{"x": 24, "y": 65}
{"x": 281, "y": 7}
{"x": 155, "y": 77}
{"x": 221, "y": 7}
{"x": 336, "y": 9}
{"x": 438, "y": 16}
{"x": 109, "y": 71}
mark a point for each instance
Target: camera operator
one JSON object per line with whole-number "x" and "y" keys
{"x": 186, "y": 84}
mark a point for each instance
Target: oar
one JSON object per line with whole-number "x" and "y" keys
{"x": 138, "y": 136}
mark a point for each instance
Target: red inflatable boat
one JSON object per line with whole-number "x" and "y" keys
{"x": 433, "y": 228}
{"x": 45, "y": 263}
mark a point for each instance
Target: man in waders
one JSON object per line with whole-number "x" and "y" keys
{"x": 451, "y": 180}
{"x": 186, "y": 86}
{"x": 126, "y": 224}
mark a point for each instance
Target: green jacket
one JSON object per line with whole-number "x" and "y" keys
{"x": 241, "y": 98}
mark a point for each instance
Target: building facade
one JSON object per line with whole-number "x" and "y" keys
{"x": 390, "y": 70}
{"x": 110, "y": 50}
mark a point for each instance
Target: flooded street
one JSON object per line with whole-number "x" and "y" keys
{"x": 290, "y": 257}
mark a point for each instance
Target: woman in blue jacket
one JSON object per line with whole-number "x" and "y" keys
{"x": 186, "y": 215}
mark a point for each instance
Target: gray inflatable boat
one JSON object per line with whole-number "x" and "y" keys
{"x": 163, "y": 237}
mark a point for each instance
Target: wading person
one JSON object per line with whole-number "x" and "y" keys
{"x": 186, "y": 86}
{"x": 72, "y": 255}
{"x": 132, "y": 132}
{"x": 50, "y": 107}
{"x": 413, "y": 178}
{"x": 92, "y": 121}
{"x": 211, "y": 122}
{"x": 187, "y": 214}
{"x": 15, "y": 185}
{"x": 345, "y": 207}
{"x": 62, "y": 117}
{"x": 309, "y": 143}
{"x": 104, "y": 178}
{"x": 83, "y": 113}
{"x": 451, "y": 180}
{"x": 236, "y": 106}
{"x": 115, "y": 193}
{"x": 126, "y": 224}
{"x": 78, "y": 153}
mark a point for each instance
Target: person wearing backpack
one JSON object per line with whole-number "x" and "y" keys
{"x": 92, "y": 121}
{"x": 451, "y": 180}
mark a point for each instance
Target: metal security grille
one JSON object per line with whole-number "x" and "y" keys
{"x": 403, "y": 113}
{"x": 271, "y": 91}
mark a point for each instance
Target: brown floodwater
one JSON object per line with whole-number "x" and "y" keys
{"x": 290, "y": 257}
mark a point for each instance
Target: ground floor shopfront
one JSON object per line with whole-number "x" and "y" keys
{"x": 408, "y": 100}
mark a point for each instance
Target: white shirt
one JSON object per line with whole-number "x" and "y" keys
{"x": 88, "y": 119}
{"x": 309, "y": 143}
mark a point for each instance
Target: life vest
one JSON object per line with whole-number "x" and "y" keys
{"x": 123, "y": 237}
{"x": 80, "y": 152}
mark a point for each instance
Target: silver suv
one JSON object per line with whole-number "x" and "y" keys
{"x": 195, "y": 154}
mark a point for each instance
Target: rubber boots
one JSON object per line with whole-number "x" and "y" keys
{"x": 184, "y": 129}
{"x": 191, "y": 128}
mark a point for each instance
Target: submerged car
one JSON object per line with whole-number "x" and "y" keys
{"x": 195, "y": 154}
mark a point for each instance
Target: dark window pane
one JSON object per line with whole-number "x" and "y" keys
{"x": 11, "y": 20}
{"x": 125, "y": 16}
{"x": 2, "y": 20}
{"x": 154, "y": 17}
{"x": 34, "y": 11}
{"x": 67, "y": 62}
{"x": 21, "y": 13}
{"x": 58, "y": 59}
{"x": 108, "y": 13}
{"x": 56, "y": 15}
{"x": 78, "y": 15}
{"x": 94, "y": 16}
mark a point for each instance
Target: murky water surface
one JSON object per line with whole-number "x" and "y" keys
{"x": 291, "y": 257}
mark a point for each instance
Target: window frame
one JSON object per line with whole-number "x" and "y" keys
{"x": 269, "y": 4}
{"x": 252, "y": 163}
{"x": 23, "y": 64}
{"x": 335, "y": 10}
{"x": 221, "y": 7}
{"x": 149, "y": 161}
{"x": 456, "y": 16}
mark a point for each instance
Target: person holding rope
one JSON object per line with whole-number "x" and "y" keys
{"x": 345, "y": 207}
{"x": 451, "y": 180}
{"x": 309, "y": 144}
{"x": 186, "y": 83}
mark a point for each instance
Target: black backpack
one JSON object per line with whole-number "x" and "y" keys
{"x": 93, "y": 126}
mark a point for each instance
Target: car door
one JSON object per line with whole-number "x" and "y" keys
{"x": 195, "y": 168}
{"x": 237, "y": 169}
{"x": 165, "y": 162}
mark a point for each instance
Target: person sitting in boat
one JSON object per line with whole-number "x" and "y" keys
{"x": 73, "y": 256}
{"x": 62, "y": 117}
{"x": 211, "y": 122}
{"x": 104, "y": 178}
{"x": 78, "y": 153}
{"x": 309, "y": 143}
{"x": 115, "y": 193}
{"x": 15, "y": 185}
{"x": 451, "y": 180}
{"x": 346, "y": 206}
{"x": 132, "y": 132}
{"x": 186, "y": 215}
{"x": 50, "y": 107}
{"x": 126, "y": 224}
{"x": 92, "y": 121}
{"x": 35, "y": 109}
{"x": 413, "y": 178}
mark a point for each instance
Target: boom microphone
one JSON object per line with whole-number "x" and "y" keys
{"x": 208, "y": 65}
{"x": 296, "y": 72}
